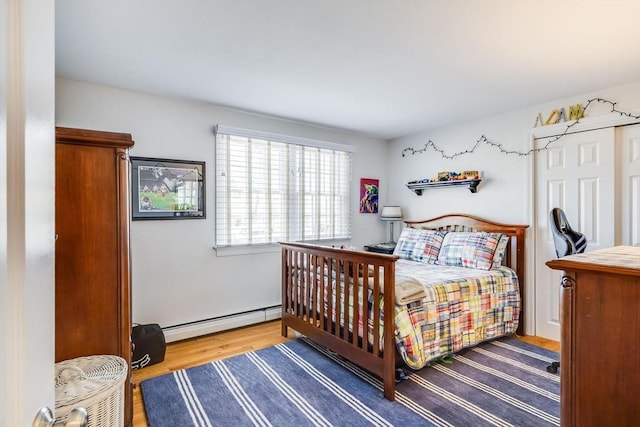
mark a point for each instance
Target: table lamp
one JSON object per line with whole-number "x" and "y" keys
{"x": 391, "y": 214}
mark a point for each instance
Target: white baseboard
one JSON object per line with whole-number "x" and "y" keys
{"x": 196, "y": 329}
{"x": 273, "y": 313}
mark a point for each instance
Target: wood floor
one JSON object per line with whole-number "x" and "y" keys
{"x": 197, "y": 351}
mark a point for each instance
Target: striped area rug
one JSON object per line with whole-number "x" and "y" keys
{"x": 498, "y": 383}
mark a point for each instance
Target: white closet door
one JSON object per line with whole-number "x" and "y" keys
{"x": 628, "y": 140}
{"x": 576, "y": 174}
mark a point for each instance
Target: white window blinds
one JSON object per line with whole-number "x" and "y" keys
{"x": 272, "y": 188}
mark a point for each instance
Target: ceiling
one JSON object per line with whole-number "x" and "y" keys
{"x": 383, "y": 68}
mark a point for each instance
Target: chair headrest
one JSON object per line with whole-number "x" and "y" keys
{"x": 566, "y": 240}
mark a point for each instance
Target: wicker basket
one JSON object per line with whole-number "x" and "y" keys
{"x": 95, "y": 383}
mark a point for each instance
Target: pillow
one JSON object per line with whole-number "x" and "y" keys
{"x": 427, "y": 248}
{"x": 501, "y": 251}
{"x": 406, "y": 242}
{"x": 469, "y": 249}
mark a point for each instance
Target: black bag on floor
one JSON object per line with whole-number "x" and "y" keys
{"x": 149, "y": 345}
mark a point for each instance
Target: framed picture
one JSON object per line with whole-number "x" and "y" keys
{"x": 369, "y": 195}
{"x": 167, "y": 189}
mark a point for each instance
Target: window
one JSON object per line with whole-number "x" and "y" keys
{"x": 272, "y": 188}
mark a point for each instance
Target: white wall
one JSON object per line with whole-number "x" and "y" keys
{"x": 502, "y": 195}
{"x": 177, "y": 277}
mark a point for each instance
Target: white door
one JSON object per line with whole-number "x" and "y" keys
{"x": 576, "y": 174}
{"x": 27, "y": 142}
{"x": 628, "y": 141}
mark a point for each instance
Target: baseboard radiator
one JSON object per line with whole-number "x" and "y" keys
{"x": 217, "y": 324}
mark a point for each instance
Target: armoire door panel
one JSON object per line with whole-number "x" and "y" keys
{"x": 88, "y": 240}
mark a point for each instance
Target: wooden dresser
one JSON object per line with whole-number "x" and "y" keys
{"x": 92, "y": 274}
{"x": 600, "y": 339}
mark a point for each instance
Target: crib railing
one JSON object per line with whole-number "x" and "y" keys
{"x": 344, "y": 300}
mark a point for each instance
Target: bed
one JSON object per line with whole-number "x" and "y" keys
{"x": 453, "y": 281}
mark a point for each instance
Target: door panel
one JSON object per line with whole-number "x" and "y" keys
{"x": 576, "y": 174}
{"x": 27, "y": 114}
{"x": 628, "y": 138}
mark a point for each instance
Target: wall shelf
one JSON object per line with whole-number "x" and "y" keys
{"x": 418, "y": 187}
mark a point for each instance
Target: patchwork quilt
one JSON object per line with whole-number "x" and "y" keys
{"x": 462, "y": 307}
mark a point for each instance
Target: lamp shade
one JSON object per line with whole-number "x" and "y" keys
{"x": 391, "y": 213}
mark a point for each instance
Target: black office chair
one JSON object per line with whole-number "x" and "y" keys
{"x": 567, "y": 241}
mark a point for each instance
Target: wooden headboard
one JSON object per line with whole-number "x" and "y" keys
{"x": 515, "y": 255}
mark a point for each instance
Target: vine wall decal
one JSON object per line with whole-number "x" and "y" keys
{"x": 430, "y": 145}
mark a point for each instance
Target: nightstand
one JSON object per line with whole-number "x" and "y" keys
{"x": 381, "y": 248}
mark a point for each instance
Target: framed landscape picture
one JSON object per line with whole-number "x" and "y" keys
{"x": 167, "y": 189}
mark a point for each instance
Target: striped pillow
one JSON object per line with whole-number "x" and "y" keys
{"x": 420, "y": 245}
{"x": 428, "y": 246}
{"x": 469, "y": 249}
{"x": 407, "y": 242}
{"x": 501, "y": 251}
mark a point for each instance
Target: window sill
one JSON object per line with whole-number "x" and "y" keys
{"x": 246, "y": 250}
{"x": 270, "y": 248}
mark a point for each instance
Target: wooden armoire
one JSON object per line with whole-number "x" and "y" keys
{"x": 92, "y": 272}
